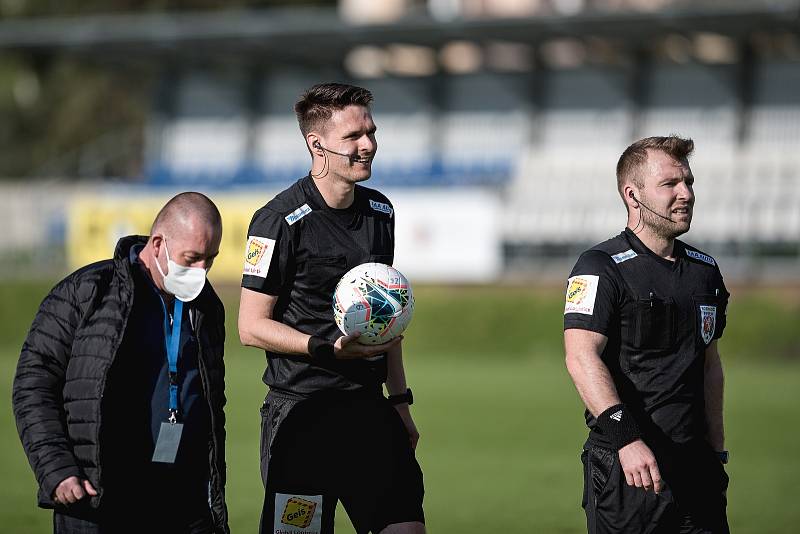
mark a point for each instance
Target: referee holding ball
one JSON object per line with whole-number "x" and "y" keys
{"x": 328, "y": 433}
{"x": 642, "y": 318}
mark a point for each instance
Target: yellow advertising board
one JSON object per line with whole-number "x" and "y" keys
{"x": 95, "y": 222}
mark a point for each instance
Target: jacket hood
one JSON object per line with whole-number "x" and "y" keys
{"x": 123, "y": 249}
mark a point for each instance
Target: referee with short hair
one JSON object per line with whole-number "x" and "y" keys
{"x": 642, "y": 318}
{"x": 328, "y": 433}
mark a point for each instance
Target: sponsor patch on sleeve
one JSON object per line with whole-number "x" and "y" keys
{"x": 301, "y": 514}
{"x": 258, "y": 255}
{"x": 298, "y": 214}
{"x": 382, "y": 207}
{"x": 581, "y": 294}
{"x": 700, "y": 256}
{"x": 623, "y": 256}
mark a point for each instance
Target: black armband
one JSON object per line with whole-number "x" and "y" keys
{"x": 401, "y": 398}
{"x": 321, "y": 349}
{"x": 618, "y": 425}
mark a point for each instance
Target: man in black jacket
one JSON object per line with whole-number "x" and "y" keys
{"x": 119, "y": 390}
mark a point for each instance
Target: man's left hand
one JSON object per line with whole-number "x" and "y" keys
{"x": 411, "y": 428}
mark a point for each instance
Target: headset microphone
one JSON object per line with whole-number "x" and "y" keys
{"x": 351, "y": 157}
{"x": 648, "y": 208}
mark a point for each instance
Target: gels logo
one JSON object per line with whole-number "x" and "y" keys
{"x": 255, "y": 250}
{"x": 257, "y": 255}
{"x": 577, "y": 290}
{"x": 298, "y": 512}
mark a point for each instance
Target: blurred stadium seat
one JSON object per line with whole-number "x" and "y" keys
{"x": 206, "y": 139}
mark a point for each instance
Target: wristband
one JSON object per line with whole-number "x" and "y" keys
{"x": 321, "y": 349}
{"x": 618, "y": 426}
{"x": 400, "y": 398}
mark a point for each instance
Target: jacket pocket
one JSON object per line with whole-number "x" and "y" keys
{"x": 603, "y": 471}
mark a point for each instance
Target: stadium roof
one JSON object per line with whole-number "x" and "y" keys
{"x": 320, "y": 35}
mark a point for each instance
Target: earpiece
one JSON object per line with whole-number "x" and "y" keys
{"x": 317, "y": 145}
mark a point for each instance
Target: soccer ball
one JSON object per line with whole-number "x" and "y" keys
{"x": 375, "y": 300}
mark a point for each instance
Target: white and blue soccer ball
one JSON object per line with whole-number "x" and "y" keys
{"x": 375, "y": 300}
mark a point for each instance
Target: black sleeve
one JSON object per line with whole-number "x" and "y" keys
{"x": 391, "y": 230}
{"x": 269, "y": 253}
{"x": 593, "y": 293}
{"x": 38, "y": 383}
{"x": 722, "y": 314}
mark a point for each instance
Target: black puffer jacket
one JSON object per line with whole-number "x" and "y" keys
{"x": 62, "y": 372}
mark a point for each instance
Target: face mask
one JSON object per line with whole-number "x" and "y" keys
{"x": 183, "y": 282}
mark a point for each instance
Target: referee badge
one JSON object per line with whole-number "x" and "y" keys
{"x": 708, "y": 322}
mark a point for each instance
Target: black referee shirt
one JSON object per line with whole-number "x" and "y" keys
{"x": 297, "y": 249}
{"x": 659, "y": 317}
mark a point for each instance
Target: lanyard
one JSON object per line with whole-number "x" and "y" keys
{"x": 172, "y": 337}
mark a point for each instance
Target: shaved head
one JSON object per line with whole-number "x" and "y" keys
{"x": 184, "y": 210}
{"x": 192, "y": 225}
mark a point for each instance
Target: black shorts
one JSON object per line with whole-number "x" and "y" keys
{"x": 344, "y": 447}
{"x": 693, "y": 500}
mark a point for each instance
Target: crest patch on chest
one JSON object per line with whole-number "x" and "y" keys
{"x": 708, "y": 322}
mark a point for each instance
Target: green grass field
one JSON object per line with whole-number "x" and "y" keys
{"x": 500, "y": 421}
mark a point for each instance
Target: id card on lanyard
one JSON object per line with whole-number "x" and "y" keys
{"x": 169, "y": 435}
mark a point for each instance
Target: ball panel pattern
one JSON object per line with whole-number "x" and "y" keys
{"x": 374, "y": 299}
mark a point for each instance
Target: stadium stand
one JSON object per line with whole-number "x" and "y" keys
{"x": 205, "y": 140}
{"x": 543, "y": 139}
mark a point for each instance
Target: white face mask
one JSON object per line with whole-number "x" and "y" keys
{"x": 183, "y": 282}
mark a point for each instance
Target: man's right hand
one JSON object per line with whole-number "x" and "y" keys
{"x": 640, "y": 466}
{"x": 347, "y": 348}
{"x": 73, "y": 489}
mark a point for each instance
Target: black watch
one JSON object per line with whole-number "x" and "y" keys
{"x": 723, "y": 456}
{"x": 406, "y": 397}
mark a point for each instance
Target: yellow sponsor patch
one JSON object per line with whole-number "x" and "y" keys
{"x": 298, "y": 512}
{"x": 577, "y": 290}
{"x": 255, "y": 249}
{"x": 581, "y": 294}
{"x": 257, "y": 255}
